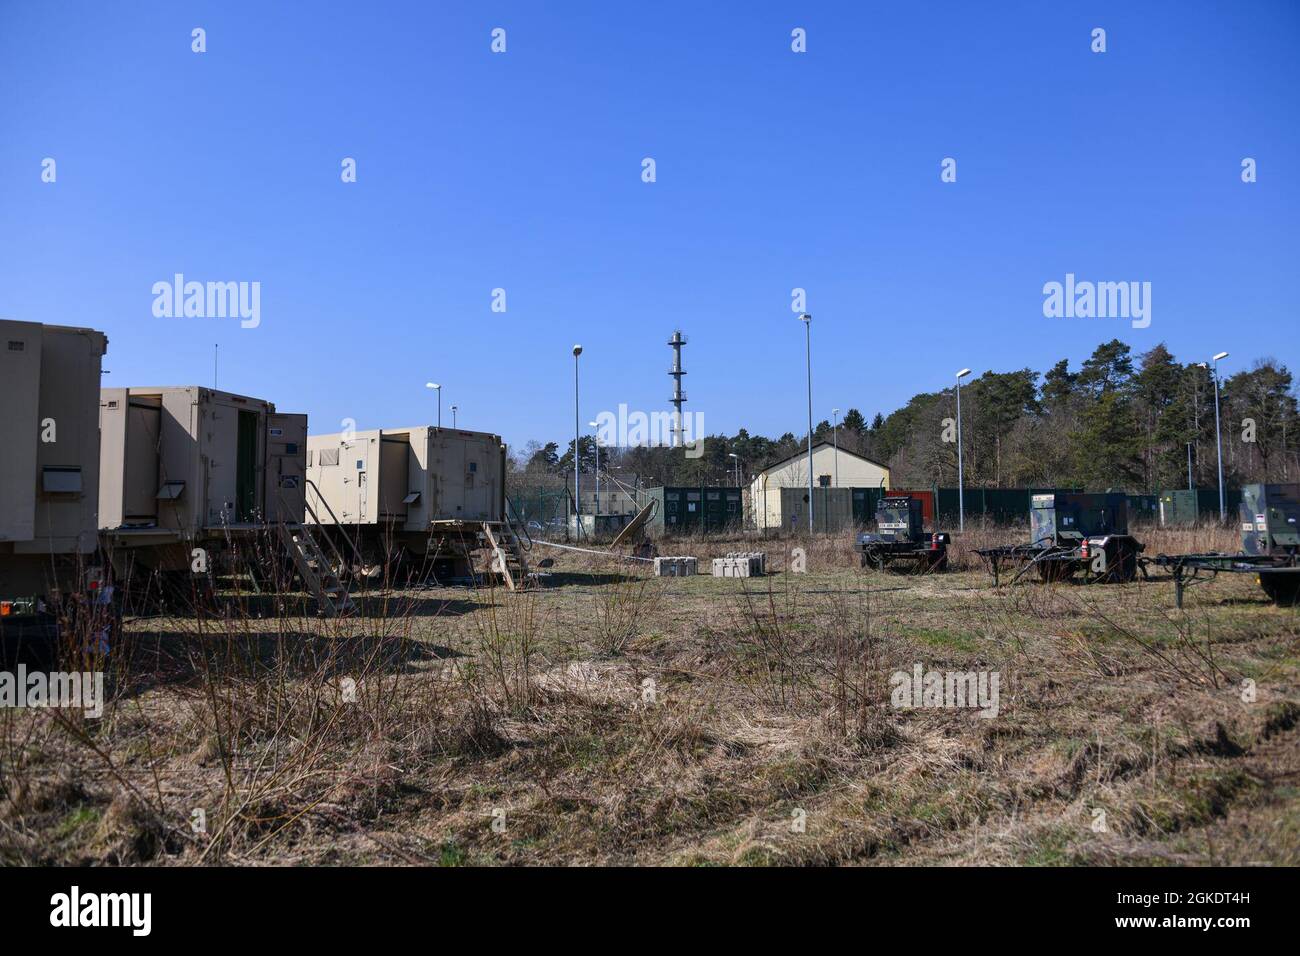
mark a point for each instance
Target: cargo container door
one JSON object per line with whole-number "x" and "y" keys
{"x": 20, "y": 387}
{"x": 672, "y": 510}
{"x": 393, "y": 477}
{"x": 693, "y": 513}
{"x": 142, "y": 481}
{"x": 246, "y": 468}
{"x": 286, "y": 467}
{"x": 446, "y": 466}
{"x": 735, "y": 508}
{"x": 715, "y": 515}
{"x": 480, "y": 489}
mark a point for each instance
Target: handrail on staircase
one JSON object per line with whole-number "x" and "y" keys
{"x": 356, "y": 552}
{"x": 511, "y": 509}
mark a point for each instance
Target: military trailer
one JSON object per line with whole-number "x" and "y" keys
{"x": 185, "y": 467}
{"x": 424, "y": 495}
{"x": 49, "y": 466}
{"x": 900, "y": 536}
{"x": 1073, "y": 532}
{"x": 1270, "y": 547}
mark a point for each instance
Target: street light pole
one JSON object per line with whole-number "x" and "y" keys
{"x": 806, "y": 318}
{"x": 437, "y": 388}
{"x": 835, "y": 439}
{"x": 961, "y": 492}
{"x": 732, "y": 454}
{"x": 577, "y": 433}
{"x": 1218, "y": 437}
{"x": 453, "y": 416}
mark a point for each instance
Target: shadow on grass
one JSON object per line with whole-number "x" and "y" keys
{"x": 144, "y": 661}
{"x": 597, "y": 578}
{"x": 268, "y": 607}
{"x": 32, "y": 644}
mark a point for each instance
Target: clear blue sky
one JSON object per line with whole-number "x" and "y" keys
{"x": 523, "y": 171}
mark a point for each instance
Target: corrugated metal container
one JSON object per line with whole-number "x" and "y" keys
{"x": 407, "y": 478}
{"x": 998, "y": 505}
{"x": 690, "y": 510}
{"x": 193, "y": 462}
{"x": 1177, "y": 508}
{"x": 832, "y": 509}
{"x": 49, "y": 430}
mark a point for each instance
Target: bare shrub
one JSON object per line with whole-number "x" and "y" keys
{"x": 1200, "y": 538}
{"x": 858, "y": 697}
{"x": 506, "y": 635}
{"x": 771, "y": 650}
{"x": 622, "y": 609}
{"x": 1186, "y": 658}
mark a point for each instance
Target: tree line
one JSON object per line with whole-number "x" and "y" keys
{"x": 1118, "y": 421}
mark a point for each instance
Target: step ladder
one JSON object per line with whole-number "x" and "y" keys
{"x": 507, "y": 553}
{"x": 331, "y": 593}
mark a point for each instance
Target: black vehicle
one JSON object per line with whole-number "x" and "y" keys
{"x": 1072, "y": 533}
{"x": 900, "y": 536}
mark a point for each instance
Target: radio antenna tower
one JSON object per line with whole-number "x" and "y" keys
{"x": 679, "y": 397}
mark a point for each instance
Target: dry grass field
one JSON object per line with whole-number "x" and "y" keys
{"x": 609, "y": 717}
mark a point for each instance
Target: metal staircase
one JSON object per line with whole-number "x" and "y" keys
{"x": 508, "y": 559}
{"x": 331, "y": 593}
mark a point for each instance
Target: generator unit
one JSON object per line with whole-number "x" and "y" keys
{"x": 1270, "y": 519}
{"x": 188, "y": 466}
{"x": 1274, "y": 512}
{"x": 1270, "y": 547}
{"x": 900, "y": 536}
{"x": 1072, "y": 532}
{"x": 49, "y": 469}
